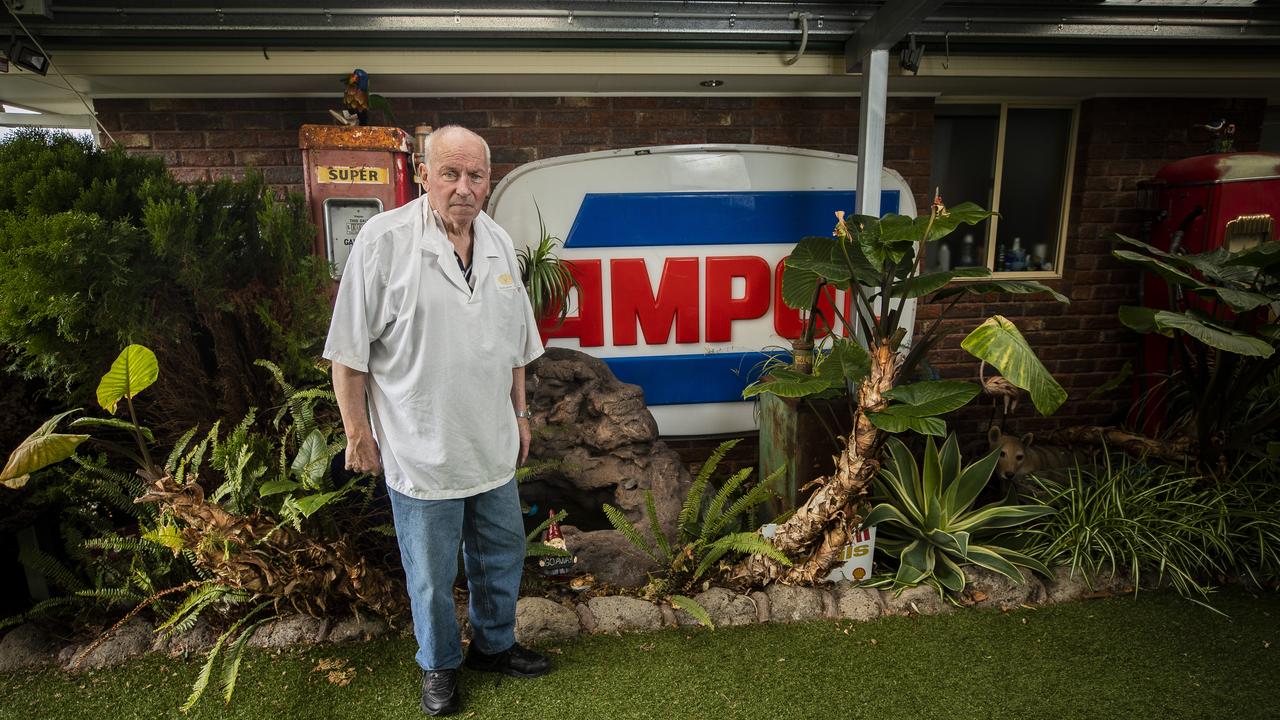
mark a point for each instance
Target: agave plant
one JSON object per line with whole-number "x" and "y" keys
{"x": 546, "y": 278}
{"x": 926, "y": 519}
{"x": 708, "y": 529}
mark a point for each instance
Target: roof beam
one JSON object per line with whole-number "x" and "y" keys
{"x": 893, "y": 21}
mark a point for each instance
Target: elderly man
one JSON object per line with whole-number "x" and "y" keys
{"x": 430, "y": 335}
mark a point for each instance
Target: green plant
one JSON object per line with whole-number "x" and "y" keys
{"x": 103, "y": 249}
{"x": 1252, "y": 497}
{"x": 1130, "y": 516}
{"x": 258, "y": 539}
{"x": 546, "y": 277}
{"x": 708, "y": 529}
{"x": 925, "y": 518}
{"x": 1222, "y": 349}
{"x": 878, "y": 262}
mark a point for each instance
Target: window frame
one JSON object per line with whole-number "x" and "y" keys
{"x": 1065, "y": 204}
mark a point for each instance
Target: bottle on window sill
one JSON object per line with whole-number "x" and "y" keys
{"x": 1000, "y": 258}
{"x": 944, "y": 257}
{"x": 1017, "y": 256}
{"x": 966, "y": 251}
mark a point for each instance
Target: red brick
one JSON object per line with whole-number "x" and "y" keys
{"x": 513, "y": 118}
{"x": 147, "y": 121}
{"x": 486, "y": 103}
{"x": 206, "y": 158}
{"x": 261, "y": 158}
{"x": 166, "y": 140}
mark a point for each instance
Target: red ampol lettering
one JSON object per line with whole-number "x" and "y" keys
{"x": 786, "y": 320}
{"x": 588, "y": 324}
{"x": 633, "y": 300}
{"x": 722, "y": 307}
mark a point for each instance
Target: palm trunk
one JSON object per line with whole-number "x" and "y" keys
{"x": 815, "y": 534}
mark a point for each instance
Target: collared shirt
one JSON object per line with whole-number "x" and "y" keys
{"x": 438, "y": 352}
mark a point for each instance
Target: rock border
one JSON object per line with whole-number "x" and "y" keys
{"x": 540, "y": 620}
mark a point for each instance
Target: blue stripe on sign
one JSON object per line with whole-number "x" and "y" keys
{"x": 679, "y": 379}
{"x": 718, "y": 218}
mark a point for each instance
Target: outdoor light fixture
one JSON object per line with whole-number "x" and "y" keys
{"x": 909, "y": 60}
{"x": 27, "y": 56}
{"x": 711, "y": 83}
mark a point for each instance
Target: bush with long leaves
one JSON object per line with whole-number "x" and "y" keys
{"x": 926, "y": 520}
{"x": 1128, "y": 516}
{"x": 708, "y": 530}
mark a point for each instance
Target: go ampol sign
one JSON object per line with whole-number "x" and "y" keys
{"x": 679, "y": 251}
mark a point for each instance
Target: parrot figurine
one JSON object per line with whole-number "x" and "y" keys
{"x": 1223, "y": 134}
{"x": 357, "y": 101}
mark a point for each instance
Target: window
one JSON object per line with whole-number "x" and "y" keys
{"x": 1015, "y": 159}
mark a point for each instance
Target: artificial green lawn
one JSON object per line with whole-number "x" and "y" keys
{"x": 1154, "y": 657}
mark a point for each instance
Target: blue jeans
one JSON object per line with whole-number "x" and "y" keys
{"x": 490, "y": 529}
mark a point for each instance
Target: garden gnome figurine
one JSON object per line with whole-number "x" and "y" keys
{"x": 556, "y": 566}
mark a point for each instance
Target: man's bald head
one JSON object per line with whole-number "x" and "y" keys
{"x": 452, "y": 133}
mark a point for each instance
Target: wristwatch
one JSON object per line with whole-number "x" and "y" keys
{"x": 526, "y": 413}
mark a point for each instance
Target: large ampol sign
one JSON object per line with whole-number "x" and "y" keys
{"x": 678, "y": 251}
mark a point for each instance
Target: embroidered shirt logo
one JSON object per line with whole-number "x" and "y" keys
{"x": 505, "y": 282}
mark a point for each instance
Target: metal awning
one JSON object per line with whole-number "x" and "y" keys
{"x": 985, "y": 25}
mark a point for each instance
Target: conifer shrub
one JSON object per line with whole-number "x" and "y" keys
{"x": 104, "y": 249}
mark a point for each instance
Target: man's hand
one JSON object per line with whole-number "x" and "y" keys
{"x": 363, "y": 454}
{"x": 525, "y": 437}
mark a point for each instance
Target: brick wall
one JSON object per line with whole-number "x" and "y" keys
{"x": 1122, "y": 141}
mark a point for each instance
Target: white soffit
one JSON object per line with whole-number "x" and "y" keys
{"x": 259, "y": 72}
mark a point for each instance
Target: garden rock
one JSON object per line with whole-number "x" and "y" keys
{"x": 26, "y": 646}
{"x": 287, "y": 631}
{"x": 131, "y": 640}
{"x": 857, "y": 603}
{"x": 921, "y": 599}
{"x": 620, "y": 613}
{"x": 725, "y": 607}
{"x": 197, "y": 639}
{"x": 354, "y": 629}
{"x": 609, "y": 556}
{"x": 1065, "y": 587}
{"x": 788, "y": 603}
{"x": 761, "y": 601}
{"x": 585, "y": 618}
{"x": 539, "y": 620}
{"x": 603, "y": 445}
{"x": 989, "y": 589}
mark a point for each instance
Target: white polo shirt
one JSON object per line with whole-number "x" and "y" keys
{"x": 438, "y": 354}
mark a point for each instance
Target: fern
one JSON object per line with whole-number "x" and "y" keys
{"x": 624, "y": 526}
{"x": 50, "y": 568}
{"x": 754, "y": 498}
{"x": 533, "y": 536}
{"x": 693, "y": 502}
{"x": 655, "y": 528}
{"x": 541, "y": 549}
{"x": 712, "y": 517}
{"x": 744, "y": 543}
{"x": 40, "y": 609}
{"x": 231, "y": 668}
{"x": 694, "y": 608}
{"x": 188, "y": 611}
{"x": 206, "y": 671}
{"x": 175, "y": 455}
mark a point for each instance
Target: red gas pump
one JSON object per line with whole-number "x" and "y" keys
{"x": 352, "y": 174}
{"x": 1229, "y": 200}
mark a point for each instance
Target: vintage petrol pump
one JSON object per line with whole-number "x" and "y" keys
{"x": 352, "y": 174}
{"x": 1229, "y": 200}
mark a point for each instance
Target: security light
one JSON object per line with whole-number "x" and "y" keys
{"x": 27, "y": 56}
{"x": 909, "y": 60}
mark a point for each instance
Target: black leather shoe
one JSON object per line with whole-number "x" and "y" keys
{"x": 516, "y": 661}
{"x": 440, "y": 692}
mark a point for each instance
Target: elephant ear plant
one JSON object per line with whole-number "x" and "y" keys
{"x": 1221, "y": 389}
{"x": 878, "y": 262}
{"x": 924, "y": 517}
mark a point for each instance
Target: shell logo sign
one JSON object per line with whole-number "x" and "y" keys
{"x": 678, "y": 252}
